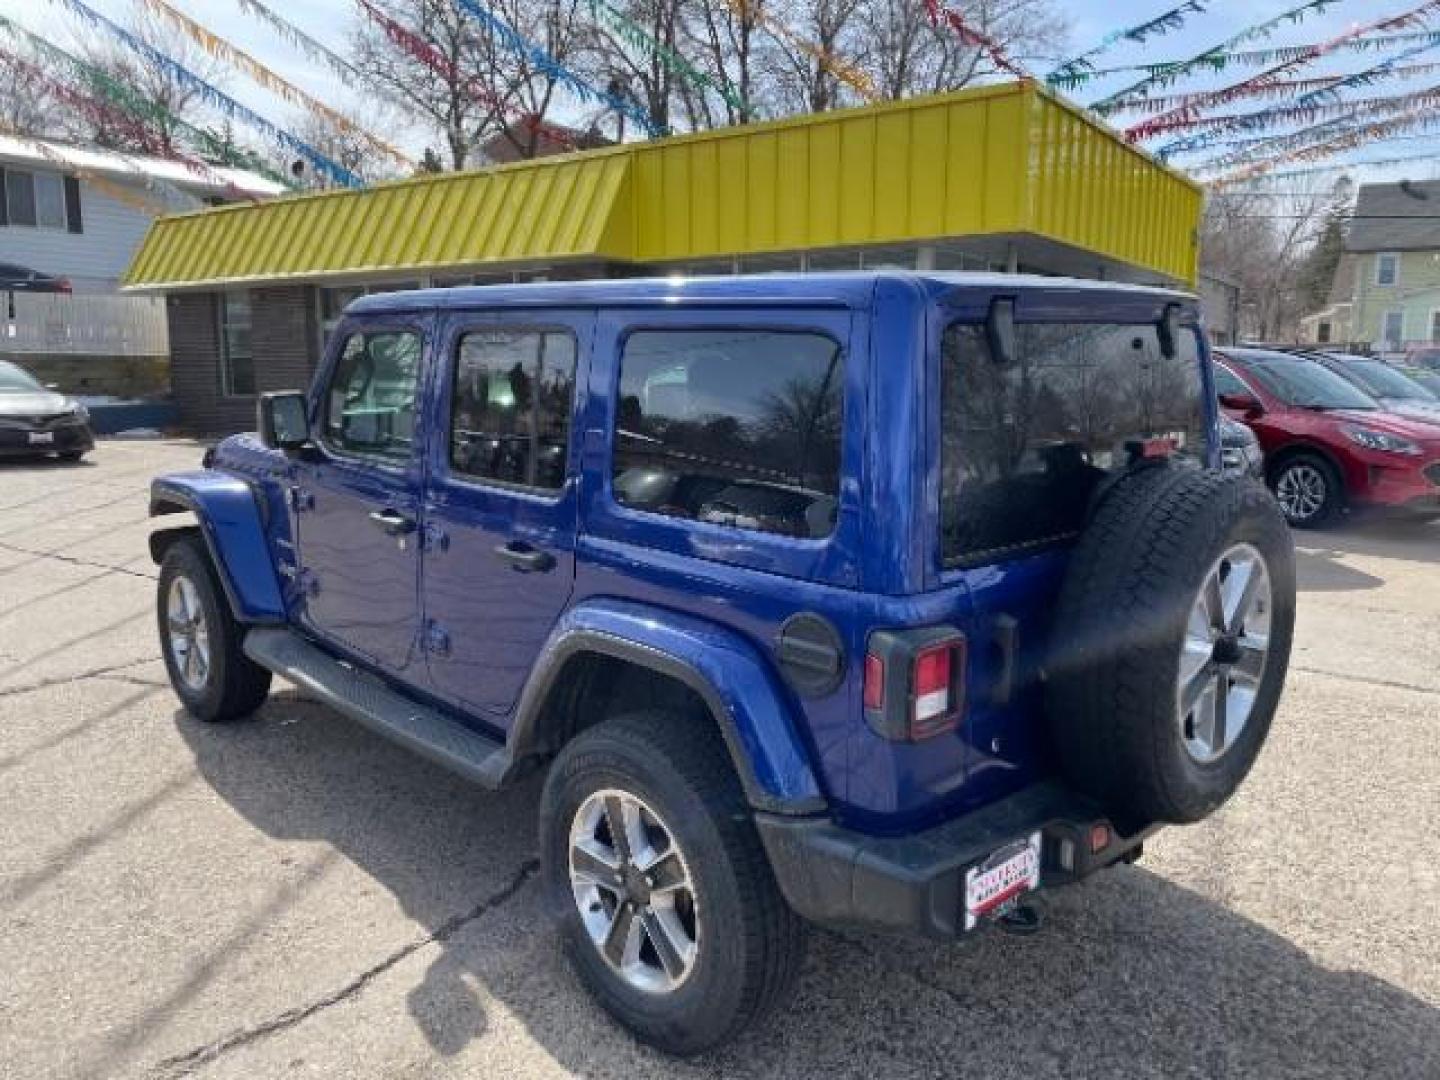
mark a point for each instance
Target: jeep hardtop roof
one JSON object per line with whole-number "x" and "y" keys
{"x": 849, "y": 289}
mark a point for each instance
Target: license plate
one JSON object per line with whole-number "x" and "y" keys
{"x": 42, "y": 438}
{"x": 994, "y": 885}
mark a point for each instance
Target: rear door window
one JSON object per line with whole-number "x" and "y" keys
{"x": 1025, "y": 444}
{"x": 733, "y": 427}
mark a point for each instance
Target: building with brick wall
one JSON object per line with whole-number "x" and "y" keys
{"x": 1007, "y": 178}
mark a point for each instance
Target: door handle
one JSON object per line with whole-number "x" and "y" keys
{"x": 525, "y": 558}
{"x": 392, "y": 522}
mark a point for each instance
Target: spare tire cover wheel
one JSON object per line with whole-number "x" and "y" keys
{"x": 1171, "y": 642}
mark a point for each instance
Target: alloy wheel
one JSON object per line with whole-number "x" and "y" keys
{"x": 634, "y": 891}
{"x": 1223, "y": 656}
{"x": 189, "y": 636}
{"x": 1301, "y": 491}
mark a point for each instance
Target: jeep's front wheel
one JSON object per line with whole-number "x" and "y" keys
{"x": 667, "y": 906}
{"x": 201, "y": 641}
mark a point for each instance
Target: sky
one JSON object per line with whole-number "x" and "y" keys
{"x": 1090, "y": 20}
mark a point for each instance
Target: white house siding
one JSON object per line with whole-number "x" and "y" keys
{"x": 94, "y": 259}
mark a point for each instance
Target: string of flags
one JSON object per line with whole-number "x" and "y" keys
{"x": 213, "y": 96}
{"x": 940, "y": 11}
{"x": 116, "y": 93}
{"x": 1285, "y": 89}
{"x": 849, "y": 74}
{"x": 557, "y": 72}
{"x": 303, "y": 42}
{"x": 119, "y": 192}
{"x": 1207, "y": 59}
{"x": 630, "y": 32}
{"x": 261, "y": 75}
{"x": 1165, "y": 121}
{"x": 1171, "y": 19}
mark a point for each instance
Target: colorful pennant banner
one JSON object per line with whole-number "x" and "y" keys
{"x": 847, "y": 73}
{"x": 1361, "y": 163}
{"x": 542, "y": 61}
{"x": 1243, "y": 58}
{"x": 315, "y": 50}
{"x": 1427, "y": 117}
{"x": 214, "y": 97}
{"x": 1208, "y": 58}
{"x": 417, "y": 47}
{"x": 939, "y": 12}
{"x": 116, "y": 94}
{"x": 1308, "y": 108}
{"x": 1163, "y": 23}
{"x": 1165, "y": 121}
{"x": 630, "y": 32}
{"x": 261, "y": 75}
{"x": 1288, "y": 89}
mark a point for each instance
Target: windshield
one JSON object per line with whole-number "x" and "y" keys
{"x": 1384, "y": 381}
{"x": 1306, "y": 384}
{"x": 1428, "y": 379}
{"x": 14, "y": 380}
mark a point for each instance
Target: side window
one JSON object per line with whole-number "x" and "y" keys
{"x": 732, "y": 427}
{"x": 510, "y": 410}
{"x": 371, "y": 400}
{"x": 1227, "y": 382}
{"x": 1024, "y": 445}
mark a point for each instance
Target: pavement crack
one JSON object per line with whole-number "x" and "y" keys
{"x": 1366, "y": 680}
{"x": 75, "y": 676}
{"x": 72, "y": 560}
{"x": 181, "y": 1065}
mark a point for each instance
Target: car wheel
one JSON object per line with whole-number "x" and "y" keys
{"x": 1171, "y": 642}
{"x": 201, "y": 641}
{"x": 72, "y": 455}
{"x": 667, "y": 906}
{"x": 1308, "y": 491}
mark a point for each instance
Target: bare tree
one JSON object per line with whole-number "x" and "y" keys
{"x": 349, "y": 148}
{"x": 26, "y": 107}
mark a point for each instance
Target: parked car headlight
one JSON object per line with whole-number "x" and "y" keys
{"x": 1371, "y": 439}
{"x": 79, "y": 411}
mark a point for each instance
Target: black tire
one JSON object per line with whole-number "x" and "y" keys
{"x": 72, "y": 456}
{"x": 749, "y": 944}
{"x": 233, "y": 685}
{"x": 1314, "y": 469}
{"x": 1112, "y": 693}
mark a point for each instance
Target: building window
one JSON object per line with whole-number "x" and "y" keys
{"x": 1322, "y": 332}
{"x": 237, "y": 358}
{"x": 1387, "y": 269}
{"x": 38, "y": 200}
{"x": 510, "y": 413}
{"x": 1394, "y": 328}
{"x": 1435, "y": 326}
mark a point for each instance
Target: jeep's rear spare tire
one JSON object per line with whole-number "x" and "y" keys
{"x": 1171, "y": 641}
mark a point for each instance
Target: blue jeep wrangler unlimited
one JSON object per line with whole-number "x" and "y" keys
{"x": 871, "y": 600}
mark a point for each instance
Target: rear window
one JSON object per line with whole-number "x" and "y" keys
{"x": 1024, "y": 445}
{"x": 732, "y": 427}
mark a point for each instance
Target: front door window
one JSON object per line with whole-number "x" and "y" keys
{"x": 371, "y": 401}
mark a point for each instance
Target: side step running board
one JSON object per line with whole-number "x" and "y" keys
{"x": 387, "y": 712}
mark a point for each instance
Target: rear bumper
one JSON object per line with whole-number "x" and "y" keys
{"x": 914, "y": 883}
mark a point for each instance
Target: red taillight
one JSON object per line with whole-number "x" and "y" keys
{"x": 914, "y": 682}
{"x": 935, "y": 690}
{"x": 874, "y": 682}
{"x": 63, "y": 285}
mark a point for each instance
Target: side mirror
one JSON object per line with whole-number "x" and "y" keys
{"x": 1000, "y": 330}
{"x": 283, "y": 417}
{"x": 1248, "y": 404}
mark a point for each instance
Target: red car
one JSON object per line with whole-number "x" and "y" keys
{"x": 1327, "y": 443}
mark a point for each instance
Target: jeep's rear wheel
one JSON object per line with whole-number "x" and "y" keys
{"x": 1170, "y": 642}
{"x": 667, "y": 906}
{"x": 201, "y": 641}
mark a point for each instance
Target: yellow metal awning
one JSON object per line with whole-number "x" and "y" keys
{"x": 1002, "y": 160}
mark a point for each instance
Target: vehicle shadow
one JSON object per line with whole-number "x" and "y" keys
{"x": 1134, "y": 976}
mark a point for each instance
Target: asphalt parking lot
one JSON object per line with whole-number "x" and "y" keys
{"x": 291, "y": 896}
